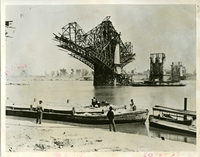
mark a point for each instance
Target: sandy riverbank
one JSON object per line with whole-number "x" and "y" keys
{"x": 26, "y": 136}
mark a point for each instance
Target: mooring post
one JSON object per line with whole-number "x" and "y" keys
{"x": 185, "y": 104}
{"x": 185, "y": 107}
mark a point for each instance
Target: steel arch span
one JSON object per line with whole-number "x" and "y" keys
{"x": 101, "y": 49}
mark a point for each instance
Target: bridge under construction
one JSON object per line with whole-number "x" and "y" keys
{"x": 101, "y": 49}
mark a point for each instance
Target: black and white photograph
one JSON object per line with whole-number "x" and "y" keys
{"x": 100, "y": 78}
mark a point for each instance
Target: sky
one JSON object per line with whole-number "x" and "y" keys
{"x": 169, "y": 29}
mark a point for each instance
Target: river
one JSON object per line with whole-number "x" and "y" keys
{"x": 65, "y": 94}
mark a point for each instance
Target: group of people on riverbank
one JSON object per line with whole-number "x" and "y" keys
{"x": 110, "y": 115}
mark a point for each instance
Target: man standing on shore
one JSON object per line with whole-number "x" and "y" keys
{"x": 39, "y": 112}
{"x": 110, "y": 116}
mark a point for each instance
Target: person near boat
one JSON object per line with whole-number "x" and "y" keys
{"x": 94, "y": 102}
{"x": 98, "y": 104}
{"x": 132, "y": 105}
{"x": 111, "y": 120}
{"x": 39, "y": 110}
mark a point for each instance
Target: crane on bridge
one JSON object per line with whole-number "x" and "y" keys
{"x": 101, "y": 49}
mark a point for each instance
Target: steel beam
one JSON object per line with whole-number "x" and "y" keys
{"x": 96, "y": 49}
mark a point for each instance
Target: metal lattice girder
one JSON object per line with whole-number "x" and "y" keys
{"x": 85, "y": 54}
{"x": 79, "y": 57}
{"x": 96, "y": 48}
{"x": 126, "y": 54}
{"x": 97, "y": 44}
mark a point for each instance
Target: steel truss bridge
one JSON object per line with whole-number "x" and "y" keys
{"x": 98, "y": 49}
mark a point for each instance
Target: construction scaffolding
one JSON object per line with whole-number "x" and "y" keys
{"x": 178, "y": 72}
{"x": 156, "y": 67}
{"x": 101, "y": 49}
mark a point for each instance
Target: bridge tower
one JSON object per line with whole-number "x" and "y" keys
{"x": 101, "y": 49}
{"x": 178, "y": 72}
{"x": 156, "y": 67}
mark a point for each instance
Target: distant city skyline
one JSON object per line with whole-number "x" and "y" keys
{"x": 169, "y": 29}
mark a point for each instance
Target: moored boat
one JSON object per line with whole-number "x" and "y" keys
{"x": 158, "y": 84}
{"x": 173, "y": 119}
{"x": 85, "y": 117}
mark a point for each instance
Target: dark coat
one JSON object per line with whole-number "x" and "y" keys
{"x": 110, "y": 115}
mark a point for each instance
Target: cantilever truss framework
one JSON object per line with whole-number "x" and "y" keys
{"x": 96, "y": 49}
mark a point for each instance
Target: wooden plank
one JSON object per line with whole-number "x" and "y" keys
{"x": 177, "y": 111}
{"x": 173, "y": 125}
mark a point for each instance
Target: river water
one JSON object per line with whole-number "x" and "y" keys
{"x": 61, "y": 94}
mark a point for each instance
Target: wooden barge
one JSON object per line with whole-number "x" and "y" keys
{"x": 173, "y": 119}
{"x": 92, "y": 117}
{"x": 158, "y": 84}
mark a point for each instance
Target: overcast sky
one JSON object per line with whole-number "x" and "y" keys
{"x": 169, "y": 29}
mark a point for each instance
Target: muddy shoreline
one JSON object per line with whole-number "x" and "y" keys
{"x": 26, "y": 136}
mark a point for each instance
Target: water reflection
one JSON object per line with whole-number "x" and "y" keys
{"x": 56, "y": 93}
{"x": 171, "y": 135}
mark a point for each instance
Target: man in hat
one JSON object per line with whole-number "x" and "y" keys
{"x": 110, "y": 116}
{"x": 39, "y": 112}
{"x": 94, "y": 101}
{"x": 132, "y": 105}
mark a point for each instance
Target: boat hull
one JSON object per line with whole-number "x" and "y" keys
{"x": 68, "y": 116}
{"x": 159, "y": 123}
{"x": 156, "y": 85}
